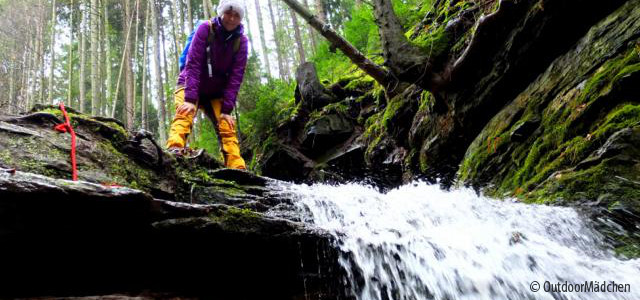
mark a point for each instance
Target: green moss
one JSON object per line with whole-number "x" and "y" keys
{"x": 610, "y": 73}
{"x": 567, "y": 135}
{"x": 426, "y": 101}
{"x": 373, "y": 132}
{"x": 6, "y": 157}
{"x": 360, "y": 83}
{"x": 236, "y": 218}
{"x": 122, "y": 170}
{"x": 630, "y": 250}
{"x": 434, "y": 43}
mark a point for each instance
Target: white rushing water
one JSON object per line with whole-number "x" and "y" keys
{"x": 419, "y": 242}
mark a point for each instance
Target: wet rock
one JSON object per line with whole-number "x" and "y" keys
{"x": 109, "y": 241}
{"x": 286, "y": 163}
{"x": 326, "y": 132}
{"x": 524, "y": 130}
{"x": 623, "y": 146}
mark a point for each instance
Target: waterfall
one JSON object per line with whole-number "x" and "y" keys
{"x": 420, "y": 242}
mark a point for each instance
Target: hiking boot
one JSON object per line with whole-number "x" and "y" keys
{"x": 192, "y": 153}
{"x": 176, "y": 151}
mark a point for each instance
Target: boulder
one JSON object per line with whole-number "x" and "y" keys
{"x": 155, "y": 227}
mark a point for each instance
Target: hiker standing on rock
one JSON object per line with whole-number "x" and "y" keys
{"x": 210, "y": 79}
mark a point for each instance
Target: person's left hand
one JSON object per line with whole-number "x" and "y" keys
{"x": 230, "y": 120}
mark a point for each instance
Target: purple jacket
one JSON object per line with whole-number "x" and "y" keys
{"x": 228, "y": 68}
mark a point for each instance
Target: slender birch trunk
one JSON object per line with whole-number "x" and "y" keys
{"x": 285, "y": 50}
{"x": 12, "y": 100}
{"x": 28, "y": 70}
{"x": 176, "y": 41}
{"x": 24, "y": 86}
{"x": 265, "y": 53}
{"x": 70, "y": 58}
{"x": 157, "y": 76}
{"x": 296, "y": 28}
{"x": 164, "y": 57}
{"x": 205, "y": 9}
{"x": 40, "y": 65}
{"x": 53, "y": 51}
{"x": 312, "y": 33}
{"x": 95, "y": 69}
{"x": 189, "y": 16}
{"x": 135, "y": 62}
{"x": 107, "y": 45}
{"x": 248, "y": 29}
{"x": 281, "y": 69}
{"x": 128, "y": 72}
{"x": 181, "y": 20}
{"x": 83, "y": 57}
{"x": 123, "y": 66}
{"x": 145, "y": 71}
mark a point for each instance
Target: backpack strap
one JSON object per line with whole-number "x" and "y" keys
{"x": 236, "y": 45}
{"x": 210, "y": 39}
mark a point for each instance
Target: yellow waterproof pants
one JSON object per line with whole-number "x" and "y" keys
{"x": 181, "y": 127}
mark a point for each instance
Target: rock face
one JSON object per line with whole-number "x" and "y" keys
{"x": 223, "y": 234}
{"x": 538, "y": 106}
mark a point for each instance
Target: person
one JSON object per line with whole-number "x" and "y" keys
{"x": 211, "y": 82}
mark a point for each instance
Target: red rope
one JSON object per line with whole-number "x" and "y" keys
{"x": 66, "y": 127}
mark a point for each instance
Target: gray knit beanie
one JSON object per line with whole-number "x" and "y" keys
{"x": 234, "y": 5}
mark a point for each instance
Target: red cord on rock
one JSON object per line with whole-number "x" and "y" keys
{"x": 66, "y": 127}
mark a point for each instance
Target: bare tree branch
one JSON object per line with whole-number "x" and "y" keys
{"x": 378, "y": 73}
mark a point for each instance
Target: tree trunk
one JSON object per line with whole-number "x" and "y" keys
{"x": 145, "y": 70}
{"x": 281, "y": 69}
{"x": 189, "y": 16}
{"x": 31, "y": 76}
{"x": 123, "y": 66}
{"x": 406, "y": 61}
{"x": 24, "y": 90}
{"x": 248, "y": 26}
{"x": 135, "y": 62}
{"x": 181, "y": 21}
{"x": 285, "y": 50}
{"x": 205, "y": 9}
{"x": 176, "y": 41}
{"x": 321, "y": 12}
{"x": 262, "y": 39}
{"x": 369, "y": 67}
{"x": 40, "y": 65}
{"x": 83, "y": 57}
{"x": 70, "y": 58}
{"x": 298, "y": 37}
{"x": 107, "y": 43}
{"x": 53, "y": 52}
{"x": 312, "y": 34}
{"x": 12, "y": 100}
{"x": 164, "y": 56}
{"x": 156, "y": 72}
{"x": 95, "y": 69}
{"x": 129, "y": 108}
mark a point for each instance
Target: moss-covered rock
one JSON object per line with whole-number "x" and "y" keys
{"x": 570, "y": 137}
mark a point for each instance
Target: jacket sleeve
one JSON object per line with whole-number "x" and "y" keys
{"x": 195, "y": 61}
{"x": 235, "y": 76}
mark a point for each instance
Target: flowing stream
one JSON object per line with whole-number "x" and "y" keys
{"x": 419, "y": 242}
